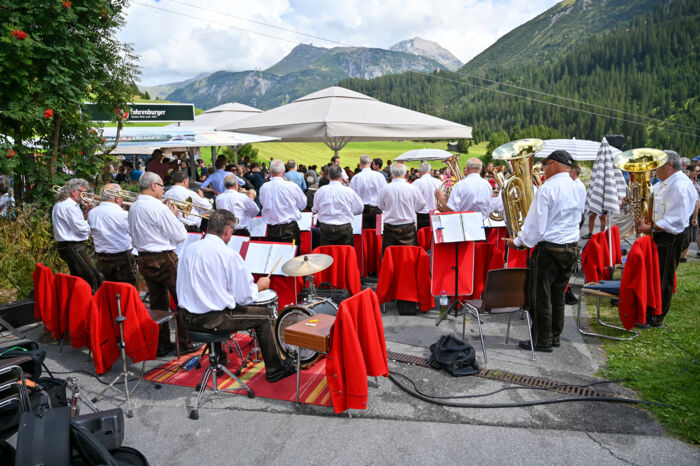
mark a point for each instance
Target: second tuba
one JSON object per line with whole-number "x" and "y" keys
{"x": 517, "y": 189}
{"x": 442, "y": 194}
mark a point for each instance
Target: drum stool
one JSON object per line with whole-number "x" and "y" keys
{"x": 211, "y": 339}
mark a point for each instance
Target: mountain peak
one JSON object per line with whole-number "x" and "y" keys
{"x": 430, "y": 49}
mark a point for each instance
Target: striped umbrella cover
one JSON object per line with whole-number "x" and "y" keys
{"x": 580, "y": 149}
{"x": 607, "y": 186}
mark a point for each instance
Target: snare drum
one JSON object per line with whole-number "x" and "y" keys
{"x": 293, "y": 314}
{"x": 267, "y": 298}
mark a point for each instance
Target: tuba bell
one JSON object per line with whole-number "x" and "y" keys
{"x": 639, "y": 163}
{"x": 517, "y": 190}
{"x": 442, "y": 194}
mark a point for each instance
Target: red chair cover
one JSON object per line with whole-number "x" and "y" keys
{"x": 517, "y": 259}
{"x": 140, "y": 332}
{"x": 405, "y": 275}
{"x": 592, "y": 260}
{"x": 344, "y": 272}
{"x": 358, "y": 244}
{"x": 640, "y": 287}
{"x": 45, "y": 304}
{"x": 74, "y": 298}
{"x": 305, "y": 242}
{"x": 425, "y": 238}
{"x": 495, "y": 236}
{"x": 357, "y": 350}
{"x": 372, "y": 250}
{"x": 486, "y": 257}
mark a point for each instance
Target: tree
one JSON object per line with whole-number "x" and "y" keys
{"x": 56, "y": 55}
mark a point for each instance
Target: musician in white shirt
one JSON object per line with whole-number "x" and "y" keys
{"x": 427, "y": 185}
{"x": 109, "y": 227}
{"x": 71, "y": 230}
{"x": 399, "y": 201}
{"x": 575, "y": 174}
{"x": 218, "y": 294}
{"x": 156, "y": 232}
{"x": 674, "y": 202}
{"x": 282, "y": 202}
{"x": 473, "y": 193}
{"x": 367, "y": 185}
{"x": 241, "y": 205}
{"x": 552, "y": 228}
{"x": 336, "y": 204}
{"x": 180, "y": 191}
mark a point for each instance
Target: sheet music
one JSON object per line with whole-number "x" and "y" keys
{"x": 261, "y": 257}
{"x": 452, "y": 230}
{"x": 257, "y": 227}
{"x": 472, "y": 226}
{"x": 456, "y": 227}
{"x": 357, "y": 225}
{"x": 306, "y": 221}
{"x": 236, "y": 242}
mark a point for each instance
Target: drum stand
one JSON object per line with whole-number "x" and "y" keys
{"x": 254, "y": 355}
{"x": 313, "y": 294}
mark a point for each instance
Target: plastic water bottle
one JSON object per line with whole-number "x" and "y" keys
{"x": 191, "y": 363}
{"x": 443, "y": 303}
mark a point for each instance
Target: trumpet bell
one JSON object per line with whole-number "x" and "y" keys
{"x": 640, "y": 160}
{"x": 518, "y": 149}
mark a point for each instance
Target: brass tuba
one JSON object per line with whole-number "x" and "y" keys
{"x": 442, "y": 194}
{"x": 517, "y": 189}
{"x": 639, "y": 163}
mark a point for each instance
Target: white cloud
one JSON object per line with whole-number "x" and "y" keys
{"x": 205, "y": 38}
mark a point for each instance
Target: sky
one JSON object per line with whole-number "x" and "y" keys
{"x": 195, "y": 36}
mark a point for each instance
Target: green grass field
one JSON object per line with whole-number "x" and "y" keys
{"x": 662, "y": 364}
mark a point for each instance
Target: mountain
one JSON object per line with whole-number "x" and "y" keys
{"x": 161, "y": 91}
{"x": 426, "y": 48}
{"x": 304, "y": 70}
{"x": 638, "y": 79}
{"x": 557, "y": 31}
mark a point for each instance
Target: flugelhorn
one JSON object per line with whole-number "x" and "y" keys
{"x": 517, "y": 190}
{"x": 442, "y": 194}
{"x": 127, "y": 196}
{"x": 639, "y": 163}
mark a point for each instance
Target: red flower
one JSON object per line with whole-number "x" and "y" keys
{"x": 66, "y": 4}
{"x": 93, "y": 131}
{"x": 48, "y": 113}
{"x": 10, "y": 154}
{"x": 126, "y": 115}
{"x": 20, "y": 35}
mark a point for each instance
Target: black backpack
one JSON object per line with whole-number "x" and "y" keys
{"x": 455, "y": 356}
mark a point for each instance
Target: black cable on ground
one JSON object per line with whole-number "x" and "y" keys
{"x": 82, "y": 371}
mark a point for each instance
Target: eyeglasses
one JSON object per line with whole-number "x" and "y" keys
{"x": 158, "y": 184}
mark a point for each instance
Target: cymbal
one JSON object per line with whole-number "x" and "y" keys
{"x": 307, "y": 264}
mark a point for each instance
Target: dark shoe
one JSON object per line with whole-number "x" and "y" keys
{"x": 525, "y": 344}
{"x": 657, "y": 323}
{"x": 684, "y": 259}
{"x": 190, "y": 347}
{"x": 569, "y": 297}
{"x": 642, "y": 326}
{"x": 286, "y": 371}
{"x": 556, "y": 342}
{"x": 164, "y": 350}
{"x": 586, "y": 236}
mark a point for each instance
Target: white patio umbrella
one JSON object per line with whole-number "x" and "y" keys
{"x": 423, "y": 154}
{"x": 174, "y": 136}
{"x": 336, "y": 116}
{"x": 222, "y": 115}
{"x": 606, "y": 188}
{"x": 580, "y": 149}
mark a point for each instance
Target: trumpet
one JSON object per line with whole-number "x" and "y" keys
{"x": 129, "y": 197}
{"x": 185, "y": 207}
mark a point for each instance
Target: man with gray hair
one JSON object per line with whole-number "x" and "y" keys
{"x": 71, "y": 230}
{"x": 156, "y": 233}
{"x": 294, "y": 176}
{"x": 367, "y": 185}
{"x": 336, "y": 205}
{"x": 427, "y": 185}
{"x": 674, "y": 202}
{"x": 473, "y": 193}
{"x": 241, "y": 205}
{"x": 109, "y": 226}
{"x": 399, "y": 201}
{"x": 282, "y": 202}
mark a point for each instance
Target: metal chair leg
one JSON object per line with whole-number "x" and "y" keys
{"x": 634, "y": 333}
{"x": 481, "y": 335}
{"x": 529, "y": 331}
{"x": 510, "y": 316}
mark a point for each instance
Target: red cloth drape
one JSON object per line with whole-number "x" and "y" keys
{"x": 517, "y": 259}
{"x": 284, "y": 287}
{"x": 74, "y": 298}
{"x": 357, "y": 350}
{"x": 405, "y": 275}
{"x": 344, "y": 272}
{"x": 640, "y": 287}
{"x": 495, "y": 236}
{"x": 140, "y": 332}
{"x": 592, "y": 260}
{"x": 305, "y": 242}
{"x": 486, "y": 257}
{"x": 372, "y": 250}
{"x": 357, "y": 244}
{"x": 425, "y": 238}
{"x": 45, "y": 305}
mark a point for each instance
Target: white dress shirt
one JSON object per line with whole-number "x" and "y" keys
{"x": 473, "y": 193}
{"x": 554, "y": 215}
{"x": 581, "y": 191}
{"x": 153, "y": 226}
{"x": 180, "y": 193}
{"x": 69, "y": 224}
{"x": 282, "y": 201}
{"x": 674, "y": 202}
{"x": 400, "y": 201}
{"x": 109, "y": 226}
{"x": 212, "y": 277}
{"x": 367, "y": 185}
{"x": 243, "y": 207}
{"x": 427, "y": 185}
{"x": 336, "y": 204}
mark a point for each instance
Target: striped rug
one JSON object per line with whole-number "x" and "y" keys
{"x": 313, "y": 388}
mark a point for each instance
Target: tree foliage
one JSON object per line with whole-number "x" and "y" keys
{"x": 54, "y": 56}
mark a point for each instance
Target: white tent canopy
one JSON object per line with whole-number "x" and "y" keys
{"x": 580, "y": 149}
{"x": 223, "y": 115}
{"x": 173, "y": 136}
{"x": 336, "y": 116}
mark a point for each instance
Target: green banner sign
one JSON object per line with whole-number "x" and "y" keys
{"x": 142, "y": 112}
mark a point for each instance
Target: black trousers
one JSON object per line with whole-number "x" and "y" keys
{"x": 241, "y": 318}
{"x": 336, "y": 234}
{"x": 119, "y": 267}
{"x": 669, "y": 247}
{"x": 399, "y": 235}
{"x": 550, "y": 267}
{"x": 284, "y": 233}
{"x": 77, "y": 256}
{"x": 423, "y": 220}
{"x": 369, "y": 216}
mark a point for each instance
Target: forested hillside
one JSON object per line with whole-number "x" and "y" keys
{"x": 648, "y": 69}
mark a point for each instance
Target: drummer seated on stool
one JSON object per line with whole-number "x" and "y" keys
{"x": 218, "y": 294}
